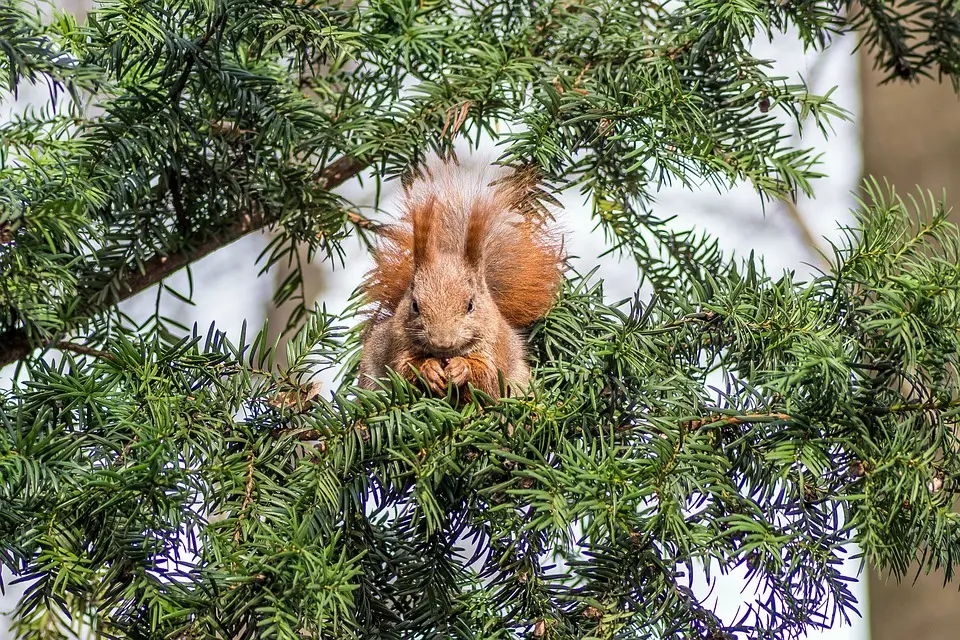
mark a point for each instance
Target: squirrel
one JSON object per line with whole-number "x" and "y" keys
{"x": 458, "y": 278}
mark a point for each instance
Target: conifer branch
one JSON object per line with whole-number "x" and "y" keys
{"x": 16, "y": 345}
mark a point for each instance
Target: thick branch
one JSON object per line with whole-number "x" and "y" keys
{"x": 15, "y": 344}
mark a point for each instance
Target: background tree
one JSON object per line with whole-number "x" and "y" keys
{"x": 732, "y": 419}
{"x": 911, "y": 135}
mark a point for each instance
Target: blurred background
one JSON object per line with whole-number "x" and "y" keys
{"x": 919, "y": 145}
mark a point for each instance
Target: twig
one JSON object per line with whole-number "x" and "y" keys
{"x": 747, "y": 418}
{"x": 792, "y": 209}
{"x": 192, "y": 56}
{"x": 303, "y": 435}
{"x": 793, "y": 212}
{"x": 63, "y": 345}
{"x": 775, "y": 417}
{"x": 362, "y": 221}
{"x": 705, "y": 317}
{"x": 915, "y": 406}
{"x": 247, "y": 498}
{"x": 183, "y": 222}
{"x": 14, "y": 343}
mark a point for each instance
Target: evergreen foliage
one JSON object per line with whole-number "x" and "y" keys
{"x": 156, "y": 482}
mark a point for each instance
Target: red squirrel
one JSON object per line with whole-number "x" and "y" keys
{"x": 467, "y": 267}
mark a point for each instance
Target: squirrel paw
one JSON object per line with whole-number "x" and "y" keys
{"x": 432, "y": 371}
{"x": 458, "y": 371}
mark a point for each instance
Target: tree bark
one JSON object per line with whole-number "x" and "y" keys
{"x": 910, "y": 135}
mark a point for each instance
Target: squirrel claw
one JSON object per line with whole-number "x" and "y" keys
{"x": 432, "y": 371}
{"x": 457, "y": 371}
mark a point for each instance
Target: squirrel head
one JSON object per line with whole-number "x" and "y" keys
{"x": 448, "y": 309}
{"x": 460, "y": 238}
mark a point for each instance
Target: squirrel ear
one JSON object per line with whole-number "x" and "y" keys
{"x": 423, "y": 243}
{"x": 478, "y": 228}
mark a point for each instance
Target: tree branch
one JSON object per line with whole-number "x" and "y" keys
{"x": 15, "y": 343}
{"x": 748, "y": 418}
{"x": 83, "y": 350}
{"x": 909, "y": 407}
{"x": 247, "y": 497}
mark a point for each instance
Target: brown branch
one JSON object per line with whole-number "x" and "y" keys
{"x": 83, "y": 350}
{"x": 363, "y": 222}
{"x": 16, "y": 345}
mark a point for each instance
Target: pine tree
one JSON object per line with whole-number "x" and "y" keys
{"x": 158, "y": 482}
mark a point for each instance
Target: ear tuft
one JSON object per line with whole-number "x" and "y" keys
{"x": 482, "y": 216}
{"x": 423, "y": 242}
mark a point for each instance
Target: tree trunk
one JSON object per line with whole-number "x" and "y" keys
{"x": 911, "y": 136}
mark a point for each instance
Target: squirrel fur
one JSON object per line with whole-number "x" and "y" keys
{"x": 468, "y": 266}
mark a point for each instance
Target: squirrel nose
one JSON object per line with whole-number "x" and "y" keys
{"x": 445, "y": 342}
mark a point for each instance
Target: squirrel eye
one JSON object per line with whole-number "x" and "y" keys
{"x": 470, "y": 306}
{"x": 415, "y": 306}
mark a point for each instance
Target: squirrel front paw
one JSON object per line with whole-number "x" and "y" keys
{"x": 432, "y": 371}
{"x": 458, "y": 371}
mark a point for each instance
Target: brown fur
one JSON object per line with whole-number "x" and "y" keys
{"x": 457, "y": 278}
{"x": 389, "y": 279}
{"x": 423, "y": 240}
{"x": 524, "y": 256}
{"x": 478, "y": 229}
